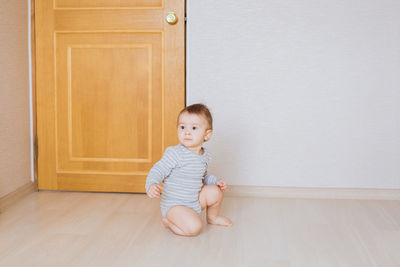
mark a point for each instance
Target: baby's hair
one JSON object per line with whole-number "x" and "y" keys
{"x": 199, "y": 109}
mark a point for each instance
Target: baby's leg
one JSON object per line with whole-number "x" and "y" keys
{"x": 183, "y": 221}
{"x": 211, "y": 197}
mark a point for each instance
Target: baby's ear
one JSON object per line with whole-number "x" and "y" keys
{"x": 208, "y": 135}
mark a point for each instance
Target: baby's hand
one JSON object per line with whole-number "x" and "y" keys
{"x": 154, "y": 191}
{"x": 222, "y": 185}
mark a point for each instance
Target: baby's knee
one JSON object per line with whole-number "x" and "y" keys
{"x": 193, "y": 229}
{"x": 214, "y": 193}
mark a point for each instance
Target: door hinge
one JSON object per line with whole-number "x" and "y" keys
{"x": 185, "y": 18}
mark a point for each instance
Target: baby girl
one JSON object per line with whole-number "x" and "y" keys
{"x": 188, "y": 189}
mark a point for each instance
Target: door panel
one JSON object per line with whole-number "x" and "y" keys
{"x": 107, "y": 95}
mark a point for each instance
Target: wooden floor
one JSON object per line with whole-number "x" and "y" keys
{"x": 105, "y": 229}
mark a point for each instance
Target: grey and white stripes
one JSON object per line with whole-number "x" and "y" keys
{"x": 184, "y": 173}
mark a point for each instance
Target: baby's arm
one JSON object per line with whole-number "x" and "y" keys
{"x": 210, "y": 179}
{"x": 162, "y": 168}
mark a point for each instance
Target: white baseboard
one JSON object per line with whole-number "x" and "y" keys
{"x": 312, "y": 192}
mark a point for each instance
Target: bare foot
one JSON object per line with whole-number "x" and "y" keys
{"x": 220, "y": 220}
{"x": 165, "y": 222}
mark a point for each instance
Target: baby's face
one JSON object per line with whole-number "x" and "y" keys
{"x": 193, "y": 130}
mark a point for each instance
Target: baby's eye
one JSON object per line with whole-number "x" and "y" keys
{"x": 194, "y": 127}
{"x": 182, "y": 127}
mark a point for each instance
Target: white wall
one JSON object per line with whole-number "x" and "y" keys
{"x": 303, "y": 92}
{"x": 14, "y": 97}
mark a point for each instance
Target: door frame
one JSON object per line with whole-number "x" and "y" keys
{"x": 33, "y": 86}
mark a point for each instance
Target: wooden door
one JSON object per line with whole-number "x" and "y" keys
{"x": 109, "y": 85}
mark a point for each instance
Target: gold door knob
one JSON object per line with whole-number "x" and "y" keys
{"x": 171, "y": 18}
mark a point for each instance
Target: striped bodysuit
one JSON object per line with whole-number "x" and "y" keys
{"x": 184, "y": 174}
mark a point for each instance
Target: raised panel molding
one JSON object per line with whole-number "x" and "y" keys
{"x": 70, "y": 50}
{"x": 70, "y": 104}
{"x": 107, "y": 4}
